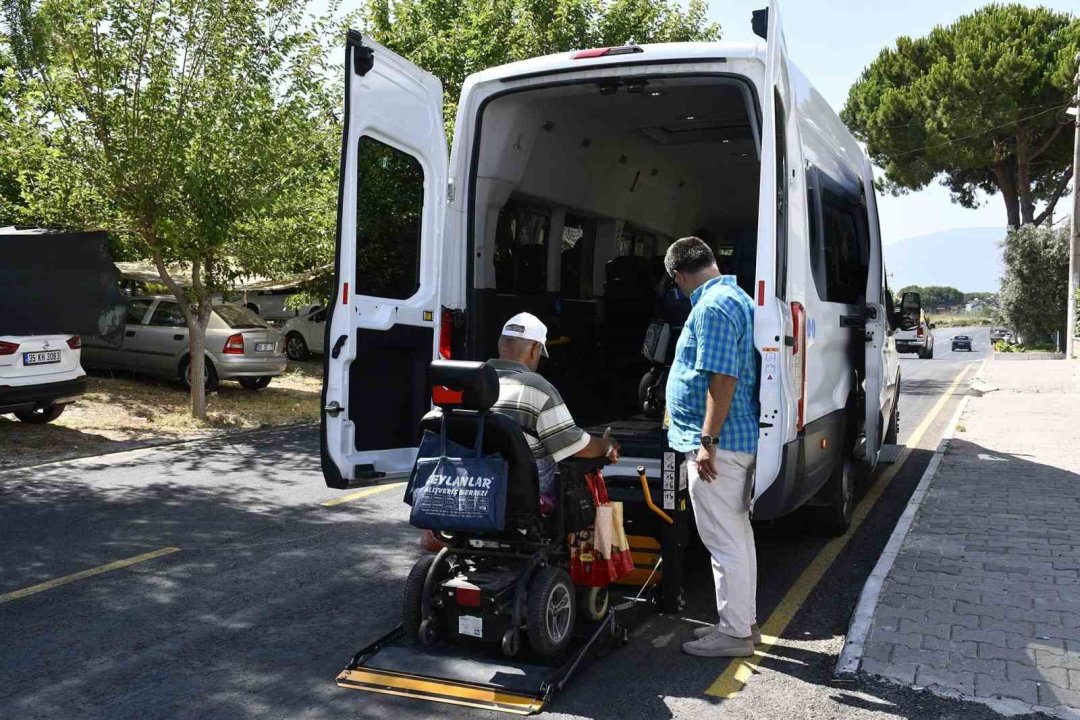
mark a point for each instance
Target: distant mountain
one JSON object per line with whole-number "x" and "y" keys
{"x": 968, "y": 259}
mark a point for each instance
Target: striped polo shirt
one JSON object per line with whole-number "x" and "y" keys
{"x": 534, "y": 403}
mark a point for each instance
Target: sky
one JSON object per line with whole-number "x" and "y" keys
{"x": 821, "y": 41}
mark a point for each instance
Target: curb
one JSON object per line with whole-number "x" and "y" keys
{"x": 863, "y": 616}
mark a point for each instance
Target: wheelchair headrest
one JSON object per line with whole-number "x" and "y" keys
{"x": 468, "y": 385}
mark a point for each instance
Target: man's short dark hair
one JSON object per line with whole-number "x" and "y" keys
{"x": 688, "y": 255}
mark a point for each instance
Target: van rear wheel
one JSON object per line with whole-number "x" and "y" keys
{"x": 834, "y": 519}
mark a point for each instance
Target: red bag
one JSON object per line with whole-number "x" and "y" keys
{"x": 599, "y": 554}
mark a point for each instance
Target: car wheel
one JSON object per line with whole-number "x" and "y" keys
{"x": 210, "y": 376}
{"x": 551, "y": 611}
{"x": 254, "y": 383}
{"x": 40, "y": 416}
{"x": 295, "y": 347}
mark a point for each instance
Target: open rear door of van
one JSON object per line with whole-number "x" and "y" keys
{"x": 383, "y": 325}
{"x": 780, "y": 380}
{"x": 876, "y": 387}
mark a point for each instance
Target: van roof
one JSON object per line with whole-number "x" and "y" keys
{"x": 649, "y": 54}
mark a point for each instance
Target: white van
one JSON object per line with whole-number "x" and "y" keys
{"x": 569, "y": 177}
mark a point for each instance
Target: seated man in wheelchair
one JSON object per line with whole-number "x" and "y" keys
{"x": 494, "y": 584}
{"x": 536, "y": 406}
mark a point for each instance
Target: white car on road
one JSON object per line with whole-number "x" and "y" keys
{"x": 39, "y": 375}
{"x": 305, "y": 334}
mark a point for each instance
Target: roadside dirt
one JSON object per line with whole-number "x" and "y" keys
{"x": 121, "y": 412}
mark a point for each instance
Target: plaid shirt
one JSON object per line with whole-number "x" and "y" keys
{"x": 717, "y": 339}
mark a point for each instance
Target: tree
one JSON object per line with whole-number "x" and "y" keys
{"x": 979, "y": 104}
{"x": 1036, "y": 280}
{"x": 935, "y": 296}
{"x": 190, "y": 129}
{"x": 453, "y": 39}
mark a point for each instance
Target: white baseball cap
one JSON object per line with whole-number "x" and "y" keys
{"x": 527, "y": 326}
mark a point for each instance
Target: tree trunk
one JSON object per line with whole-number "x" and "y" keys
{"x": 1006, "y": 183}
{"x": 1023, "y": 177}
{"x": 197, "y": 355}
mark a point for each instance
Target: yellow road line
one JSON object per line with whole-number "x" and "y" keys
{"x": 361, "y": 494}
{"x": 738, "y": 672}
{"x": 41, "y": 587}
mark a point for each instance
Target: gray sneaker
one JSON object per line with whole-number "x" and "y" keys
{"x": 706, "y": 630}
{"x": 717, "y": 644}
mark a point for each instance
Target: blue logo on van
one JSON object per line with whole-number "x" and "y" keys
{"x": 811, "y": 328}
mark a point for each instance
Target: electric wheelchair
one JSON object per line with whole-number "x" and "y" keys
{"x": 492, "y": 587}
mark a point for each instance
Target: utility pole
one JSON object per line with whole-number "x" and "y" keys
{"x": 1074, "y": 236}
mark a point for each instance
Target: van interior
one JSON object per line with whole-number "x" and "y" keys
{"x": 579, "y": 190}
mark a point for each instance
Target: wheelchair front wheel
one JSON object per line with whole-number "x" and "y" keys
{"x": 551, "y": 612}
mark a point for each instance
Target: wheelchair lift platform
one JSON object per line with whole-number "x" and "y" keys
{"x": 477, "y": 676}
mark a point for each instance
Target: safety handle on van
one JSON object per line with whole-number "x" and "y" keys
{"x": 648, "y": 496}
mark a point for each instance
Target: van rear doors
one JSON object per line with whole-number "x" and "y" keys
{"x": 878, "y": 389}
{"x": 781, "y": 382}
{"x": 383, "y": 320}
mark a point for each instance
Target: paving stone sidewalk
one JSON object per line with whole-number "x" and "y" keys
{"x": 984, "y": 597}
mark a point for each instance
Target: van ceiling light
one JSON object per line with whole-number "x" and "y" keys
{"x": 655, "y": 93}
{"x": 636, "y": 87}
{"x": 725, "y": 142}
{"x": 690, "y": 117}
{"x": 604, "y": 52}
{"x": 609, "y": 88}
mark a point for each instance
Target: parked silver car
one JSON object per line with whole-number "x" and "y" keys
{"x": 239, "y": 345}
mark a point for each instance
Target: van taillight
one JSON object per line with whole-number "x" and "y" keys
{"x": 7, "y": 348}
{"x": 234, "y": 345}
{"x": 919, "y": 333}
{"x": 798, "y": 357}
{"x": 441, "y": 395}
{"x": 446, "y": 334}
{"x": 74, "y": 342}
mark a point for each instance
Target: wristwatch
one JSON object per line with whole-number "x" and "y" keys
{"x": 707, "y": 440}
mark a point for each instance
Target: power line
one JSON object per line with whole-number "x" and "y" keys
{"x": 993, "y": 114}
{"x": 982, "y": 132}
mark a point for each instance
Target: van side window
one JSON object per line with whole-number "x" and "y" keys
{"x": 845, "y": 247}
{"x": 521, "y": 235}
{"x": 578, "y": 250}
{"x": 389, "y": 212}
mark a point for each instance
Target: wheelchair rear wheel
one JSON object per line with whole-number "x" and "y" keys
{"x": 551, "y": 611}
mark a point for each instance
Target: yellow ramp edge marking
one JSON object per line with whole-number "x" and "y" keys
{"x": 361, "y": 494}
{"x": 82, "y": 575}
{"x": 390, "y": 683}
{"x": 739, "y": 671}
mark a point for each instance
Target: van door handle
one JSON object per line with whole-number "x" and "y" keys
{"x": 852, "y": 321}
{"x": 338, "y": 344}
{"x": 178, "y": 336}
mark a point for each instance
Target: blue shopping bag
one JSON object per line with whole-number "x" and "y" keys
{"x": 462, "y": 494}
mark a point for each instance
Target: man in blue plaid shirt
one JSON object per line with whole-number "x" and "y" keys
{"x": 713, "y": 412}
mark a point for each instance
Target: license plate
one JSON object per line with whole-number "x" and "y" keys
{"x": 41, "y": 358}
{"x": 264, "y": 347}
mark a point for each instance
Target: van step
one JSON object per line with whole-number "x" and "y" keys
{"x": 889, "y": 454}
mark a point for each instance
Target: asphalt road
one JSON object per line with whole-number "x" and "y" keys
{"x": 270, "y": 592}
